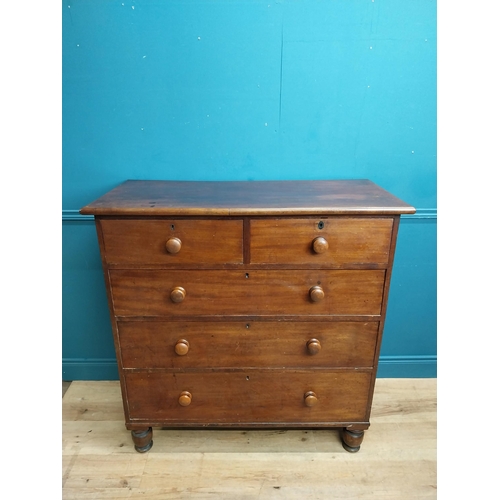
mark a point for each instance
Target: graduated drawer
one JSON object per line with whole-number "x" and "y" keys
{"x": 246, "y": 397}
{"x": 257, "y": 292}
{"x": 335, "y": 241}
{"x": 177, "y": 241}
{"x": 193, "y": 344}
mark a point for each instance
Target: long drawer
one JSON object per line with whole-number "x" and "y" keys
{"x": 221, "y": 344}
{"x": 259, "y": 292}
{"x": 334, "y": 241}
{"x": 251, "y": 396}
{"x": 172, "y": 241}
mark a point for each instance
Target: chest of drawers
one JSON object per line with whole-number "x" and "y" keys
{"x": 247, "y": 304}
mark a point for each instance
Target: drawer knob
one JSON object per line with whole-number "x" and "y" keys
{"x": 178, "y": 294}
{"x": 310, "y": 399}
{"x": 316, "y": 293}
{"x": 182, "y": 347}
{"x": 320, "y": 245}
{"x": 313, "y": 346}
{"x": 185, "y": 398}
{"x": 173, "y": 245}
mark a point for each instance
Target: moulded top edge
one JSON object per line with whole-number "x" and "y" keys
{"x": 131, "y": 212}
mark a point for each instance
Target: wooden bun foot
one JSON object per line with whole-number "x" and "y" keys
{"x": 143, "y": 439}
{"x": 351, "y": 439}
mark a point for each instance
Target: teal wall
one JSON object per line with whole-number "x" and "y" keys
{"x": 250, "y": 90}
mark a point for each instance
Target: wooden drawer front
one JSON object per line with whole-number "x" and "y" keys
{"x": 142, "y": 242}
{"x": 153, "y": 344}
{"x": 217, "y": 292}
{"x": 249, "y": 396}
{"x": 350, "y": 241}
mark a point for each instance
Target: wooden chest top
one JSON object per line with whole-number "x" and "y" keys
{"x": 243, "y": 198}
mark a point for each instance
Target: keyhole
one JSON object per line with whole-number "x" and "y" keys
{"x": 172, "y": 227}
{"x": 321, "y": 224}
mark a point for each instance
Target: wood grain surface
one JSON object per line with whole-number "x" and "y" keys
{"x": 258, "y": 292}
{"x": 222, "y": 344}
{"x": 143, "y": 242}
{"x": 178, "y": 198}
{"x": 350, "y": 241}
{"x": 236, "y": 398}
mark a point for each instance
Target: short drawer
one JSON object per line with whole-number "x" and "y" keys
{"x": 172, "y": 241}
{"x": 221, "y": 344}
{"x": 252, "y": 396}
{"x": 336, "y": 241}
{"x": 258, "y": 292}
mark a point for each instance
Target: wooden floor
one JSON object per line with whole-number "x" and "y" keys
{"x": 397, "y": 459}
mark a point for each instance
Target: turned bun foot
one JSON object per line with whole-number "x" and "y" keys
{"x": 352, "y": 439}
{"x": 143, "y": 439}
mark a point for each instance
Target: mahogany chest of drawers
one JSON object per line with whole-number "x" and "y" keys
{"x": 247, "y": 304}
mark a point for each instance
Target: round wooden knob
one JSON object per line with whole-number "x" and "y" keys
{"x": 310, "y": 398}
{"x": 185, "y": 398}
{"x": 316, "y": 293}
{"x": 313, "y": 346}
{"x": 320, "y": 245}
{"x": 173, "y": 245}
{"x": 182, "y": 347}
{"x": 178, "y": 294}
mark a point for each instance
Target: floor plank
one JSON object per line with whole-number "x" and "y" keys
{"x": 397, "y": 459}
{"x": 65, "y": 386}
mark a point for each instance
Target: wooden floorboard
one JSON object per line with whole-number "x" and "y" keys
{"x": 65, "y": 386}
{"x": 397, "y": 459}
